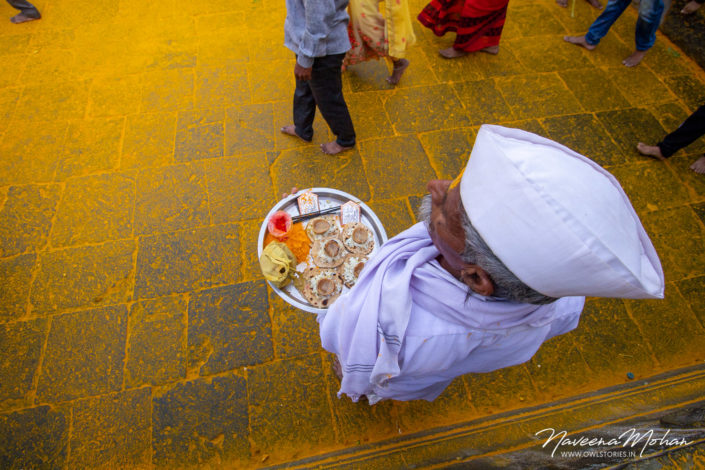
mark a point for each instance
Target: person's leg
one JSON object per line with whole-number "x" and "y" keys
{"x": 687, "y": 133}
{"x": 304, "y": 112}
{"x": 28, "y": 12}
{"x": 650, "y": 12}
{"x": 602, "y": 24}
{"x": 327, "y": 88}
{"x": 598, "y": 29}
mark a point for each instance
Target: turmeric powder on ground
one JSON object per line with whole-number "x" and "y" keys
{"x": 297, "y": 240}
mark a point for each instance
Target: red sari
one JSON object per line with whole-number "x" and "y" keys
{"x": 478, "y": 23}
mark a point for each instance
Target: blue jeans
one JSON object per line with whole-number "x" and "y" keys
{"x": 650, "y": 12}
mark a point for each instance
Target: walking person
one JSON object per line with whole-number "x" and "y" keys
{"x": 477, "y": 23}
{"x": 691, "y": 130}
{"x": 374, "y": 34}
{"x": 650, "y": 13}
{"x": 317, "y": 32}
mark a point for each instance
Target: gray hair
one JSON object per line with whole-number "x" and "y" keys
{"x": 506, "y": 284}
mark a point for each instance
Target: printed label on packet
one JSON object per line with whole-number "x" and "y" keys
{"x": 349, "y": 212}
{"x": 308, "y": 202}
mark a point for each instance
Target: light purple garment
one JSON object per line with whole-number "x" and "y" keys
{"x": 408, "y": 327}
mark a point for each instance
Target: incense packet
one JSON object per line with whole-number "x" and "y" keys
{"x": 308, "y": 202}
{"x": 349, "y": 212}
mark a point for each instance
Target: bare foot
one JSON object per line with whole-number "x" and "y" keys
{"x": 690, "y": 7}
{"x": 291, "y": 130}
{"x": 337, "y": 368}
{"x": 595, "y": 4}
{"x": 331, "y": 148}
{"x": 579, "y": 41}
{"x": 698, "y": 165}
{"x": 494, "y": 50}
{"x": 452, "y": 53}
{"x": 653, "y": 151}
{"x": 634, "y": 59}
{"x": 398, "y": 70}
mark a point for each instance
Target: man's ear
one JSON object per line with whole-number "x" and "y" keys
{"x": 477, "y": 279}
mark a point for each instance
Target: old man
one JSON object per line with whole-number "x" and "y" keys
{"x": 500, "y": 263}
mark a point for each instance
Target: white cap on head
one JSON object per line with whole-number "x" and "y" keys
{"x": 560, "y": 222}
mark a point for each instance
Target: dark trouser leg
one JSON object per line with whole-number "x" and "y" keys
{"x": 327, "y": 87}
{"x": 304, "y": 110}
{"x": 25, "y": 7}
{"x": 688, "y": 132}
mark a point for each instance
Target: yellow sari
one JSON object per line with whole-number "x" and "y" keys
{"x": 374, "y": 33}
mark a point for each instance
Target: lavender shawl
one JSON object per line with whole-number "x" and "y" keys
{"x": 408, "y": 327}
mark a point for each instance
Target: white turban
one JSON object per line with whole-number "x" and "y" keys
{"x": 560, "y": 222}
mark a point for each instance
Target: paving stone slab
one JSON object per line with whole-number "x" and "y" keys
{"x": 677, "y": 236}
{"x": 307, "y": 168}
{"x": 394, "y": 214}
{"x": 651, "y": 185}
{"x": 167, "y": 90}
{"x": 448, "y": 150}
{"x": 171, "y": 198}
{"x": 553, "y": 56}
{"x": 26, "y": 218}
{"x": 288, "y": 407}
{"x": 280, "y": 85}
{"x": 225, "y": 85}
{"x": 95, "y": 209}
{"x": 20, "y": 349}
{"x": 402, "y": 157}
{"x": 199, "y": 142}
{"x": 294, "y": 331}
{"x": 533, "y": 20}
{"x": 239, "y": 188}
{"x": 115, "y": 96}
{"x": 369, "y": 116}
{"x": 357, "y": 423}
{"x": 218, "y": 48}
{"x": 650, "y": 90}
{"x": 611, "y": 342}
{"x": 689, "y": 88}
{"x": 483, "y": 101}
{"x": 537, "y": 95}
{"x": 157, "y": 341}
{"x": 149, "y": 140}
{"x": 229, "y": 327}
{"x": 112, "y": 431}
{"x": 177, "y": 262}
{"x": 452, "y": 405}
{"x": 691, "y": 290}
{"x": 201, "y": 422}
{"x": 85, "y": 276}
{"x": 559, "y": 361}
{"x": 248, "y": 129}
{"x": 680, "y": 340}
{"x": 92, "y": 146}
{"x": 423, "y": 109}
{"x": 34, "y": 438}
{"x": 594, "y": 89}
{"x": 64, "y": 100}
{"x": 16, "y": 273}
{"x": 29, "y": 152}
{"x": 586, "y": 135}
{"x": 629, "y": 126}
{"x": 78, "y": 366}
{"x": 499, "y": 390}
{"x": 249, "y": 231}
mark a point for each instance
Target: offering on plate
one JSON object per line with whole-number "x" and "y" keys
{"x": 278, "y": 264}
{"x": 349, "y": 212}
{"x": 321, "y": 286}
{"x": 308, "y": 202}
{"x": 279, "y": 224}
{"x": 357, "y": 238}
{"x": 322, "y": 227}
{"x": 328, "y": 252}
{"x": 350, "y": 270}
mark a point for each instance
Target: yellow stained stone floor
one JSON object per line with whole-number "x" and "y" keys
{"x": 139, "y": 151}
